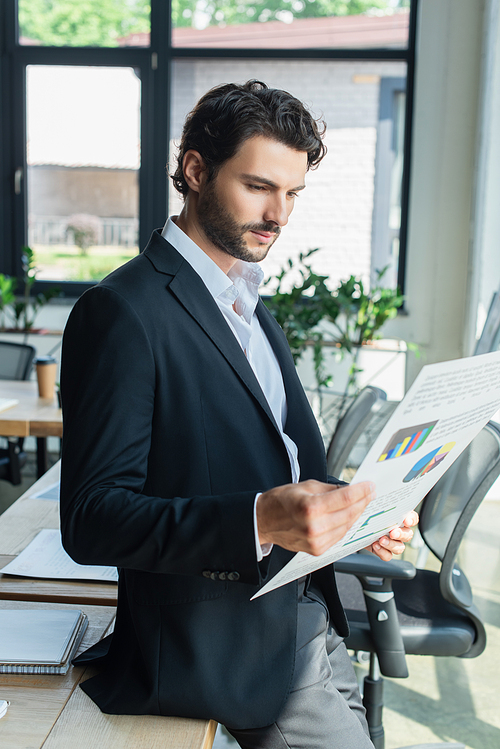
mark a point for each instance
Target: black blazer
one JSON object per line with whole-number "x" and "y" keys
{"x": 167, "y": 439}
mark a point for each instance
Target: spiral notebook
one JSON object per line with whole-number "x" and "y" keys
{"x": 39, "y": 641}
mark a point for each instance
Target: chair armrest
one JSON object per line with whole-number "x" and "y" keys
{"x": 381, "y": 606}
{"x": 369, "y": 565}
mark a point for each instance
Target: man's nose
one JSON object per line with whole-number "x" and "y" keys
{"x": 277, "y": 210}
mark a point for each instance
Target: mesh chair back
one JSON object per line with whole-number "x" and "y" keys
{"x": 351, "y": 426}
{"x": 16, "y": 360}
{"x": 450, "y": 506}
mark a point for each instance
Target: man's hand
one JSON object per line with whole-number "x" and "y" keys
{"x": 310, "y": 516}
{"x": 394, "y": 542}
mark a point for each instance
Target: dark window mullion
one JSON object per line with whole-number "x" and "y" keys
{"x": 405, "y": 182}
{"x": 19, "y": 139}
{"x": 287, "y": 54}
{"x": 113, "y": 57}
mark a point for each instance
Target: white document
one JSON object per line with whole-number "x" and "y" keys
{"x": 6, "y": 403}
{"x": 45, "y": 557}
{"x": 447, "y": 405}
{"x": 50, "y": 492}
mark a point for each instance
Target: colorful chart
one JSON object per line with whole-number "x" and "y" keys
{"x": 428, "y": 462}
{"x": 355, "y": 537}
{"x": 406, "y": 441}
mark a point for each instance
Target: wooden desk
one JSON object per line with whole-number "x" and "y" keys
{"x": 18, "y": 527}
{"x": 31, "y": 417}
{"x": 50, "y": 711}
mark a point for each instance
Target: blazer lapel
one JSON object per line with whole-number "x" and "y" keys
{"x": 276, "y": 338}
{"x": 191, "y": 292}
{"x": 300, "y": 418}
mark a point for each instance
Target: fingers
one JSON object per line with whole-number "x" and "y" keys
{"x": 394, "y": 542}
{"x": 386, "y": 547}
{"x": 411, "y": 519}
{"x": 405, "y": 533}
{"x": 328, "y": 515}
{"x": 310, "y": 516}
{"x": 401, "y": 534}
{"x": 323, "y": 499}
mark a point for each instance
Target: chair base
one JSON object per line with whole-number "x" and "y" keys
{"x": 373, "y": 701}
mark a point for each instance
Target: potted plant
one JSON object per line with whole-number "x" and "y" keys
{"x": 353, "y": 315}
{"x": 298, "y": 309}
{"x": 7, "y": 296}
{"x": 24, "y": 309}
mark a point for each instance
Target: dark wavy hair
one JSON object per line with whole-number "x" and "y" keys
{"x": 230, "y": 114}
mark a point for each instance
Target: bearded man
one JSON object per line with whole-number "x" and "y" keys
{"x": 193, "y": 463}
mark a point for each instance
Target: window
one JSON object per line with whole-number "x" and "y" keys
{"x": 95, "y": 93}
{"x": 388, "y": 180}
{"x": 337, "y": 210}
{"x": 83, "y": 159}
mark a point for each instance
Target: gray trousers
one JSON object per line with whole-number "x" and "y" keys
{"x": 323, "y": 709}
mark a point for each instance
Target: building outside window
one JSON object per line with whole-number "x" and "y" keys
{"x": 107, "y": 90}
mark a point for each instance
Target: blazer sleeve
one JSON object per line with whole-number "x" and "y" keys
{"x": 108, "y": 395}
{"x": 338, "y": 482}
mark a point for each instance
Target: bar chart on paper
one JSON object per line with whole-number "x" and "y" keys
{"x": 407, "y": 441}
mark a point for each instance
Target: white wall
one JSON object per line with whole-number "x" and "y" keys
{"x": 448, "y": 121}
{"x": 484, "y": 277}
{"x": 335, "y": 213}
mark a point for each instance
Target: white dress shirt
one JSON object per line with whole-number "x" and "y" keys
{"x": 236, "y": 294}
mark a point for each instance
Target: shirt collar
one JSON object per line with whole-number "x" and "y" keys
{"x": 212, "y": 276}
{"x": 241, "y": 283}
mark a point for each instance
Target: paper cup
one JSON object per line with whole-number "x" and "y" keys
{"x": 46, "y": 371}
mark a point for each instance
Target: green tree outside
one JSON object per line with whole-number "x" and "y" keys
{"x": 82, "y": 23}
{"x": 225, "y": 12}
{"x": 101, "y": 23}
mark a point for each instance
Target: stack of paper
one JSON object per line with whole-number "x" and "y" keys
{"x": 39, "y": 641}
{"x": 6, "y": 403}
{"x": 45, "y": 557}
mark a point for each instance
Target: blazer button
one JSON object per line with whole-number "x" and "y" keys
{"x": 206, "y": 573}
{"x": 233, "y": 576}
{"x": 222, "y": 575}
{"x": 214, "y": 576}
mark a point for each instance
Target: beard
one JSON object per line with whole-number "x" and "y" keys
{"x": 226, "y": 233}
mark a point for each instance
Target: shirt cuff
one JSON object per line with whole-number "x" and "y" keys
{"x": 262, "y": 550}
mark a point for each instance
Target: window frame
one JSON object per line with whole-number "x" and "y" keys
{"x": 154, "y": 63}
{"x": 381, "y": 233}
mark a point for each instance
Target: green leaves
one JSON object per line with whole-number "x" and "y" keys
{"x": 361, "y": 314}
{"x": 7, "y": 295}
{"x": 23, "y": 309}
{"x": 355, "y": 314}
{"x": 225, "y": 12}
{"x": 101, "y": 23}
{"x": 297, "y": 310}
{"x": 82, "y": 23}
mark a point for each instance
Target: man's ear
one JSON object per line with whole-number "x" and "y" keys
{"x": 194, "y": 169}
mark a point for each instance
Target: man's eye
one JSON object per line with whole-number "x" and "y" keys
{"x": 293, "y": 194}
{"x": 257, "y": 188}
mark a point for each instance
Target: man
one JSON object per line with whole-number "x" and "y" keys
{"x": 192, "y": 461}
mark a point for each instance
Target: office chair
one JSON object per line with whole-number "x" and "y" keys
{"x": 351, "y": 426}
{"x": 16, "y": 360}
{"x": 490, "y": 336}
{"x": 394, "y": 608}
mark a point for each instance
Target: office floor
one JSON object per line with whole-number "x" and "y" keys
{"x": 444, "y": 699}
